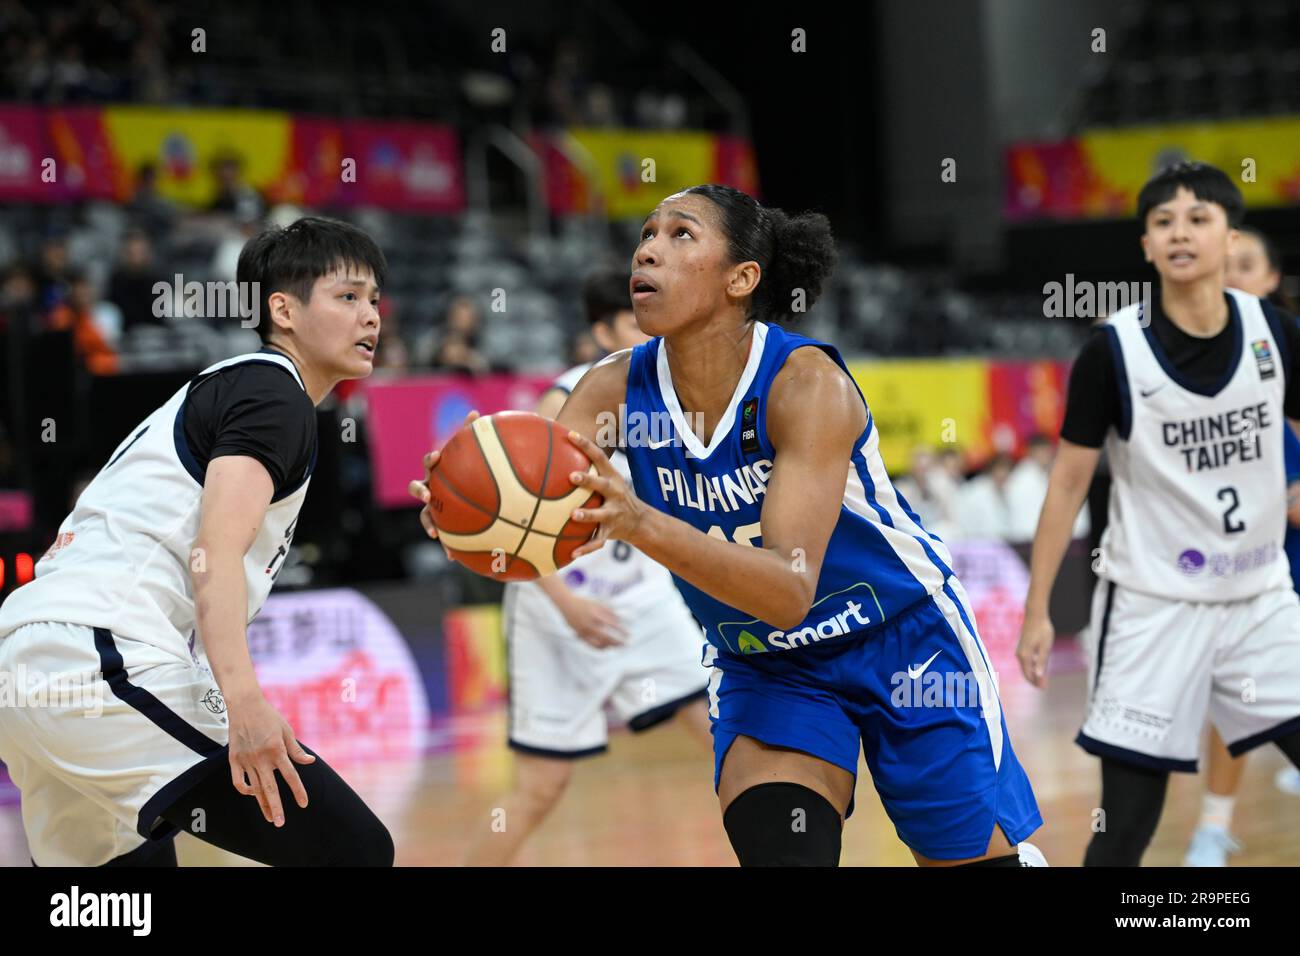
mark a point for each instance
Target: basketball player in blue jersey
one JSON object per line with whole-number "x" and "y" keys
{"x": 1194, "y": 614}
{"x": 142, "y": 602}
{"x": 833, "y": 619}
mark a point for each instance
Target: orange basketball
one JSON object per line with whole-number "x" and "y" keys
{"x": 501, "y": 498}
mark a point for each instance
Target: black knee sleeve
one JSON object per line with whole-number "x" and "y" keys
{"x": 783, "y": 824}
{"x": 1131, "y": 801}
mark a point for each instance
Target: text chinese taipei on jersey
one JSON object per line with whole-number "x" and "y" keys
{"x": 1211, "y": 458}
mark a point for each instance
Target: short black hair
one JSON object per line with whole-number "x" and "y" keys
{"x": 292, "y": 258}
{"x": 606, "y": 293}
{"x": 794, "y": 252}
{"x": 1207, "y": 183}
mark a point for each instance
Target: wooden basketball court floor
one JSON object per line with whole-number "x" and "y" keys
{"x": 649, "y": 801}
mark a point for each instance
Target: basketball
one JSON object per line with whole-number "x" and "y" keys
{"x": 501, "y": 497}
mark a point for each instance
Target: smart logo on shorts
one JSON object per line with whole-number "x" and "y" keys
{"x": 835, "y": 615}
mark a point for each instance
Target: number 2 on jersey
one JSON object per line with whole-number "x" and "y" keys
{"x": 1229, "y": 525}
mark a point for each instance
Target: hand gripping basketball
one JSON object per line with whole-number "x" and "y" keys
{"x": 621, "y": 513}
{"x": 499, "y": 499}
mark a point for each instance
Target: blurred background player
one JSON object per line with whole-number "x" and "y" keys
{"x": 1194, "y": 595}
{"x": 1255, "y": 267}
{"x": 608, "y": 631}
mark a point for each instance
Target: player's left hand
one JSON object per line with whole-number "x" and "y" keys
{"x": 420, "y": 489}
{"x": 622, "y": 512}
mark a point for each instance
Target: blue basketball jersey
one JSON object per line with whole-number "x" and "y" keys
{"x": 1291, "y": 543}
{"x": 879, "y": 560}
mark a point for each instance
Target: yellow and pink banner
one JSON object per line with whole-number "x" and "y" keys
{"x": 64, "y": 155}
{"x": 975, "y": 405}
{"x": 631, "y": 170}
{"x": 1099, "y": 173}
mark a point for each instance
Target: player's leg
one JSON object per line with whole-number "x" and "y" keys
{"x": 935, "y": 738}
{"x": 1151, "y": 672}
{"x": 150, "y": 719}
{"x": 74, "y": 749}
{"x": 1132, "y": 798}
{"x": 1256, "y": 697}
{"x": 540, "y": 782}
{"x": 663, "y": 678}
{"x": 557, "y": 689}
{"x": 785, "y": 756}
{"x": 782, "y": 807}
{"x": 1211, "y": 842}
{"x": 336, "y": 828}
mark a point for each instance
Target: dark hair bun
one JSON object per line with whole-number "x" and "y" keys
{"x": 803, "y": 258}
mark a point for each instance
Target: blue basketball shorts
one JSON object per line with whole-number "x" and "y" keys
{"x": 917, "y": 694}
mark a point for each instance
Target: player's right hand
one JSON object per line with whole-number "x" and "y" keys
{"x": 262, "y": 742}
{"x": 1037, "y": 634}
{"x": 595, "y": 623}
{"x": 420, "y": 489}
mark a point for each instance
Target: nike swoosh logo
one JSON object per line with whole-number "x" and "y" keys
{"x": 659, "y": 444}
{"x": 1147, "y": 393}
{"x": 915, "y": 672}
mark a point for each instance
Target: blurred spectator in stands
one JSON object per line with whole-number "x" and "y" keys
{"x": 982, "y": 506}
{"x": 583, "y": 349}
{"x": 70, "y": 77}
{"x": 566, "y": 86}
{"x": 930, "y": 491}
{"x": 601, "y": 110}
{"x": 77, "y": 313}
{"x": 147, "y": 209}
{"x": 454, "y": 346}
{"x": 953, "y": 463}
{"x": 19, "y": 303}
{"x": 234, "y": 196}
{"x": 1027, "y": 487}
{"x": 131, "y": 286}
{"x": 456, "y": 355}
{"x": 52, "y": 272}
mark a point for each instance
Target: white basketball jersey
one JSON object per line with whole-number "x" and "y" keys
{"x": 1197, "y": 502}
{"x": 122, "y": 559}
{"x": 617, "y": 575}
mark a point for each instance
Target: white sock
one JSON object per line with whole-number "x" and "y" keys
{"x": 1216, "y": 811}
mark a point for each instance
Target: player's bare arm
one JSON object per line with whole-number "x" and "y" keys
{"x": 595, "y": 623}
{"x": 1067, "y": 487}
{"x": 776, "y": 582}
{"x": 236, "y": 492}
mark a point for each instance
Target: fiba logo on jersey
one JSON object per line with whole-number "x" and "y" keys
{"x": 213, "y": 701}
{"x": 749, "y": 427}
{"x": 1264, "y": 359}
